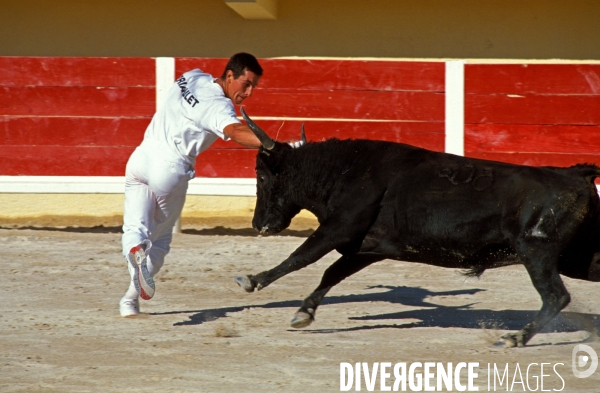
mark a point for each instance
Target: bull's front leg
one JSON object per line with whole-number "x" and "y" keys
{"x": 321, "y": 242}
{"x": 344, "y": 267}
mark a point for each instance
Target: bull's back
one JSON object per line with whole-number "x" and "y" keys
{"x": 447, "y": 209}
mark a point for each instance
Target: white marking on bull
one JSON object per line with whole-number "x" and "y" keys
{"x": 537, "y": 231}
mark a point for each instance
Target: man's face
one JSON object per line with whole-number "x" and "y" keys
{"x": 237, "y": 90}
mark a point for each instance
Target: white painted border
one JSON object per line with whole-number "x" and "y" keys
{"x": 116, "y": 185}
{"x": 455, "y": 108}
{"x": 165, "y": 76}
{"x": 222, "y": 186}
{"x": 62, "y": 184}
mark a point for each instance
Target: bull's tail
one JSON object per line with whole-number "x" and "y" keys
{"x": 474, "y": 271}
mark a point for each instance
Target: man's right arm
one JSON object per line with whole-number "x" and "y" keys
{"x": 242, "y": 134}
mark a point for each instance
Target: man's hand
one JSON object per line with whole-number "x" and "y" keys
{"x": 243, "y": 135}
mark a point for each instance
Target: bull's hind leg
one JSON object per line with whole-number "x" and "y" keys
{"x": 344, "y": 267}
{"x": 547, "y": 281}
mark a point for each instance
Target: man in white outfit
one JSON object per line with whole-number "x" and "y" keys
{"x": 198, "y": 110}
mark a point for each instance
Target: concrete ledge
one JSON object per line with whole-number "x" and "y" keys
{"x": 93, "y": 210}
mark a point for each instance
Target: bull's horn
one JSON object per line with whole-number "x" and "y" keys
{"x": 262, "y": 136}
{"x": 303, "y": 135}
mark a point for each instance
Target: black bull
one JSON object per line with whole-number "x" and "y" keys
{"x": 378, "y": 200}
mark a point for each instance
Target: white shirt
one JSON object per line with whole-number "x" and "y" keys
{"x": 192, "y": 117}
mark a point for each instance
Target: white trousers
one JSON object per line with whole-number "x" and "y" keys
{"x": 155, "y": 190}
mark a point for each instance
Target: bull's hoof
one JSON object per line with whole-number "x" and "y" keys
{"x": 302, "y": 319}
{"x": 510, "y": 340}
{"x": 245, "y": 283}
{"x": 505, "y": 343}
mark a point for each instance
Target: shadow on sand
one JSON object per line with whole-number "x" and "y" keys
{"x": 215, "y": 231}
{"x": 75, "y": 229}
{"x": 430, "y": 315}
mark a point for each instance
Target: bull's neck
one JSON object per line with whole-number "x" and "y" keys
{"x": 311, "y": 184}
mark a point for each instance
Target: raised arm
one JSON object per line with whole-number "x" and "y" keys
{"x": 242, "y": 134}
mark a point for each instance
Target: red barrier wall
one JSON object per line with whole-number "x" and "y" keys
{"x": 535, "y": 114}
{"x": 84, "y": 116}
{"x": 73, "y": 116}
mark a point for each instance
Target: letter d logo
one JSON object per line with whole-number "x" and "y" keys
{"x": 582, "y": 360}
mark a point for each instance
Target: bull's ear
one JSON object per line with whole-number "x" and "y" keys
{"x": 303, "y": 135}
{"x": 262, "y": 136}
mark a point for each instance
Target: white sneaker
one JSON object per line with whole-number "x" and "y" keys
{"x": 137, "y": 263}
{"x": 129, "y": 307}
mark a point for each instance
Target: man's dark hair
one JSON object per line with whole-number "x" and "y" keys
{"x": 240, "y": 62}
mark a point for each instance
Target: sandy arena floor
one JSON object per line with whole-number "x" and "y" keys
{"x": 61, "y": 330}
